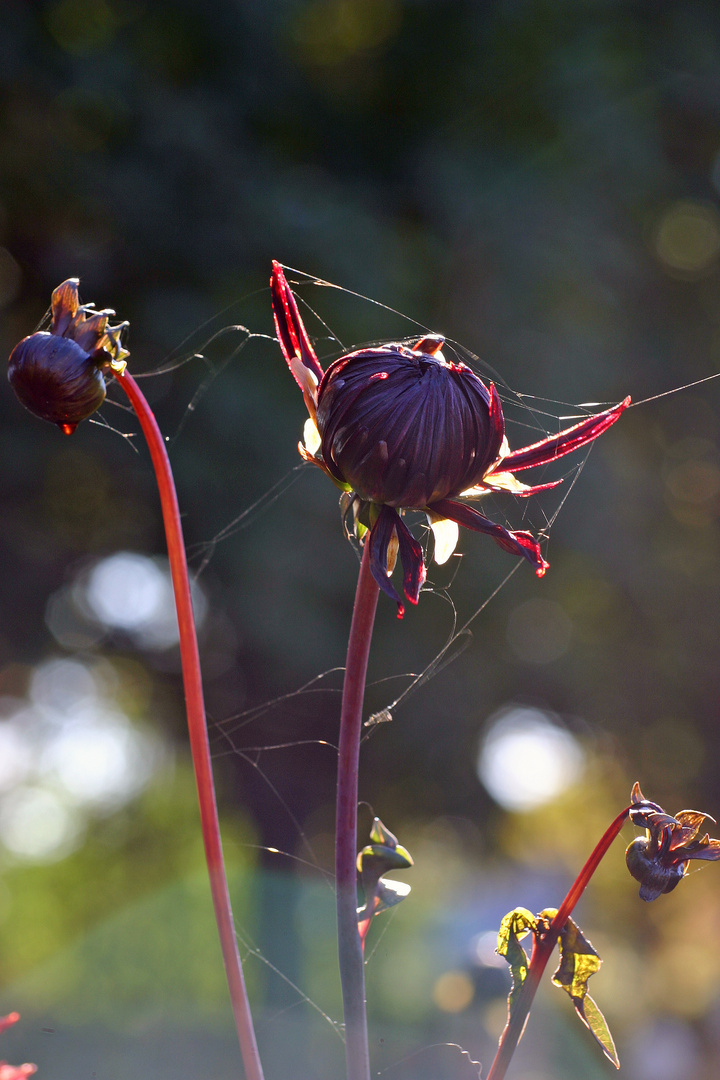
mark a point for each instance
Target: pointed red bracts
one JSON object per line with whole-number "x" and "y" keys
{"x": 403, "y": 429}
{"x": 58, "y": 374}
{"x": 556, "y": 446}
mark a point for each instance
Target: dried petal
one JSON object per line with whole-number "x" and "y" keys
{"x": 659, "y": 860}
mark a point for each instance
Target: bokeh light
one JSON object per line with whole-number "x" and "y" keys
{"x": 133, "y": 593}
{"x": 526, "y": 759}
{"x": 100, "y": 758}
{"x": 37, "y": 824}
{"x": 687, "y": 239}
{"x": 453, "y": 991}
{"x": 67, "y": 752}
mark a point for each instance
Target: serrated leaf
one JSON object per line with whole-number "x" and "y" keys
{"x": 578, "y": 962}
{"x": 596, "y": 1024}
{"x": 515, "y": 925}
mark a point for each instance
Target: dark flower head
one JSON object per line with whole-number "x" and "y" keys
{"x": 659, "y": 859}
{"x": 400, "y": 428}
{"x": 60, "y": 374}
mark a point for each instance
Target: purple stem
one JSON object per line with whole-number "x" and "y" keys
{"x": 543, "y": 945}
{"x": 197, "y": 727}
{"x": 352, "y": 970}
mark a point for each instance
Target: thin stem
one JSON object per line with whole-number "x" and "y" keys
{"x": 197, "y": 727}
{"x": 352, "y": 970}
{"x": 543, "y": 945}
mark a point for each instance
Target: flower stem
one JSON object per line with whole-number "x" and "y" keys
{"x": 543, "y": 945}
{"x": 197, "y": 728}
{"x": 352, "y": 970}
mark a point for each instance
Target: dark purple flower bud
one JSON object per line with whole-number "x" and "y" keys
{"x": 60, "y": 374}
{"x": 400, "y": 428}
{"x": 404, "y": 428}
{"x": 659, "y": 860}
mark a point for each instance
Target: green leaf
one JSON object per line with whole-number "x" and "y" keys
{"x": 380, "y": 834}
{"x": 515, "y": 925}
{"x": 578, "y": 962}
{"x": 596, "y": 1023}
{"x": 378, "y": 858}
{"x": 389, "y": 893}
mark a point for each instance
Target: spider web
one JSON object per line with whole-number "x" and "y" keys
{"x": 247, "y": 735}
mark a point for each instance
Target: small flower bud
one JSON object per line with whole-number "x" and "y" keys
{"x": 60, "y": 374}
{"x": 55, "y": 379}
{"x": 655, "y": 876}
{"x": 659, "y": 860}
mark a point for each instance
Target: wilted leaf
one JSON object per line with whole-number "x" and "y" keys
{"x": 578, "y": 961}
{"x": 515, "y": 925}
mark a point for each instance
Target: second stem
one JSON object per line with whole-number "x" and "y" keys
{"x": 352, "y": 969}
{"x": 542, "y": 950}
{"x": 197, "y": 728}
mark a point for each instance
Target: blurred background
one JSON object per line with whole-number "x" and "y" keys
{"x": 539, "y": 182}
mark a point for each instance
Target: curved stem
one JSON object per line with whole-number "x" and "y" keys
{"x": 543, "y": 946}
{"x": 197, "y": 727}
{"x": 352, "y": 970}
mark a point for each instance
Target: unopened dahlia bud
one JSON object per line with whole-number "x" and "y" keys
{"x": 400, "y": 428}
{"x": 59, "y": 374}
{"x": 405, "y": 428}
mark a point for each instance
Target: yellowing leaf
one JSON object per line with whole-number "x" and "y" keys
{"x": 596, "y": 1023}
{"x": 578, "y": 961}
{"x": 514, "y": 926}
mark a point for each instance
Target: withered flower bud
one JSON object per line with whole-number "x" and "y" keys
{"x": 60, "y": 374}
{"x": 659, "y": 860}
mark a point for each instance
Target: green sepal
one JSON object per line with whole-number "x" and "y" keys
{"x": 355, "y": 513}
{"x": 369, "y": 513}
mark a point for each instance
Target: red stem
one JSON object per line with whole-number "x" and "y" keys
{"x": 197, "y": 728}
{"x": 352, "y": 970}
{"x": 543, "y": 945}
